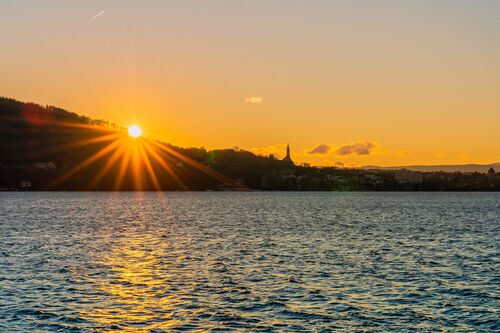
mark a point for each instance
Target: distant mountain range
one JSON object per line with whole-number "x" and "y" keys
{"x": 481, "y": 168}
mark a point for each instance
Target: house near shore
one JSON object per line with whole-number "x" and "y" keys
{"x": 25, "y": 184}
{"x": 44, "y": 165}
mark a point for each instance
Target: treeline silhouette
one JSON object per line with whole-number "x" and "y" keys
{"x": 41, "y": 144}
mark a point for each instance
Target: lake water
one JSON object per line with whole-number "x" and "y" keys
{"x": 268, "y": 262}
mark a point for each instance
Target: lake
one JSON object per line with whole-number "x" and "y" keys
{"x": 255, "y": 261}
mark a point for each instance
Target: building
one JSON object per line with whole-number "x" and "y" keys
{"x": 44, "y": 165}
{"x": 288, "y": 158}
{"x": 25, "y": 184}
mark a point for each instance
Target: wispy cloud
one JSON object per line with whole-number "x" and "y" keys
{"x": 97, "y": 15}
{"x": 254, "y": 100}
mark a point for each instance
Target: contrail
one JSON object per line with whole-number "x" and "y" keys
{"x": 97, "y": 15}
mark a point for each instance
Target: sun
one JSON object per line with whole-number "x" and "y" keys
{"x": 138, "y": 163}
{"x": 134, "y": 131}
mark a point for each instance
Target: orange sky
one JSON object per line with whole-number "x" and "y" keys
{"x": 352, "y": 82}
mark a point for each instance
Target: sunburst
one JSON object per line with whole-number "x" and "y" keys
{"x": 132, "y": 155}
{"x": 134, "y": 131}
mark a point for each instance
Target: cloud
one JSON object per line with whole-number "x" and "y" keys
{"x": 321, "y": 149}
{"x": 254, "y": 100}
{"x": 340, "y": 155}
{"x": 357, "y": 148}
{"x": 97, "y": 15}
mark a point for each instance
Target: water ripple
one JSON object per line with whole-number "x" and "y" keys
{"x": 260, "y": 262}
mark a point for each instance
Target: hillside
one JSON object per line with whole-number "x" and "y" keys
{"x": 40, "y": 144}
{"x": 48, "y": 148}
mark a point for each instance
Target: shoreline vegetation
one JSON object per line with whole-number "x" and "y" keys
{"x": 51, "y": 149}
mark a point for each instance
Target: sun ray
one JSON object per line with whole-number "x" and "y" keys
{"x": 136, "y": 154}
{"x": 136, "y": 167}
{"x": 47, "y": 121}
{"x": 149, "y": 167}
{"x": 195, "y": 164}
{"x": 123, "y": 170}
{"x": 102, "y": 138}
{"x": 60, "y": 147}
{"x": 165, "y": 166}
{"x": 111, "y": 161}
{"x": 99, "y": 154}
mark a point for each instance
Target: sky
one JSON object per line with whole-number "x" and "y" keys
{"x": 343, "y": 82}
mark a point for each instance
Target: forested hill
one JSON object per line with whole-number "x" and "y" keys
{"x": 40, "y": 144}
{"x": 32, "y": 133}
{"x": 48, "y": 148}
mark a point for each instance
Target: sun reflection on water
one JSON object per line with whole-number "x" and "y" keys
{"x": 144, "y": 262}
{"x": 135, "y": 286}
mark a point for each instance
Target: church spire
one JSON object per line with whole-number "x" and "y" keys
{"x": 288, "y": 158}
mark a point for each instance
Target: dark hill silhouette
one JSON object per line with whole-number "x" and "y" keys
{"x": 48, "y": 148}
{"x": 40, "y": 144}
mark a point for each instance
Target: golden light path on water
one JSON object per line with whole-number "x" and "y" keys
{"x": 142, "y": 277}
{"x": 135, "y": 287}
{"x": 268, "y": 262}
